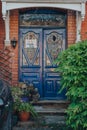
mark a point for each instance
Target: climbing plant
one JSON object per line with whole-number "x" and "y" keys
{"x": 72, "y": 65}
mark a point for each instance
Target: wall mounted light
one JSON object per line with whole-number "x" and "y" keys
{"x": 13, "y": 42}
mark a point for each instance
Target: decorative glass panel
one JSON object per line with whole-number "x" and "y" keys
{"x": 42, "y": 20}
{"x": 24, "y": 61}
{"x": 30, "y": 46}
{"x": 54, "y": 44}
{"x": 47, "y": 60}
{"x": 36, "y": 62}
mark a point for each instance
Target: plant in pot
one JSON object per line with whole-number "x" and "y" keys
{"x": 26, "y": 109}
{"x": 30, "y": 93}
{"x": 24, "y": 96}
{"x": 16, "y": 94}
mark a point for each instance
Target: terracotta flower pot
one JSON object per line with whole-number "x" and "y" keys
{"x": 24, "y": 116}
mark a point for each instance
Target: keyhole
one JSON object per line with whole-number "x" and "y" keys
{"x": 54, "y": 38}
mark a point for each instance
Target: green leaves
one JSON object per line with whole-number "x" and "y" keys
{"x": 27, "y": 107}
{"x": 72, "y": 65}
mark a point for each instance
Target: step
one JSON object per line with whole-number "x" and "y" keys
{"x": 51, "y": 110}
{"x": 54, "y": 103}
{"x": 51, "y": 107}
{"x": 41, "y": 122}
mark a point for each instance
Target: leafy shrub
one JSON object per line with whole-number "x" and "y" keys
{"x": 72, "y": 65}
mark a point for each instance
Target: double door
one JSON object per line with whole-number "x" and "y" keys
{"x": 39, "y": 47}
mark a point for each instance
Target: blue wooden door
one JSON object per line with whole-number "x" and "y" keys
{"x": 30, "y": 57}
{"x": 38, "y": 49}
{"x": 54, "y": 43}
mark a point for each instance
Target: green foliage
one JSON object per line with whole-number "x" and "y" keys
{"x": 27, "y": 107}
{"x": 20, "y": 105}
{"x": 16, "y": 94}
{"x": 72, "y": 65}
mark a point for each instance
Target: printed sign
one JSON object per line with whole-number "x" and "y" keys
{"x": 31, "y": 43}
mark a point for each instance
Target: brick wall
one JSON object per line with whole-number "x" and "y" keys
{"x": 5, "y": 53}
{"x": 14, "y": 33}
{"x": 84, "y": 27}
{"x": 71, "y": 27}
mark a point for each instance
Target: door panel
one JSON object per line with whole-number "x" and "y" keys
{"x": 54, "y": 43}
{"x": 38, "y": 50}
{"x": 30, "y": 53}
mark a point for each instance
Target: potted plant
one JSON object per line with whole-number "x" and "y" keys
{"x": 26, "y": 109}
{"x": 30, "y": 93}
{"x": 24, "y": 96}
{"x": 16, "y": 94}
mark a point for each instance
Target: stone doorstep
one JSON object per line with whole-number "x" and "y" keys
{"x": 52, "y": 119}
{"x": 56, "y": 120}
{"x": 52, "y": 104}
{"x": 38, "y": 124}
{"x": 47, "y": 110}
{"x": 52, "y": 101}
{"x": 43, "y": 119}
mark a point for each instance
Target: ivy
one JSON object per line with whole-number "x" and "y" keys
{"x": 72, "y": 65}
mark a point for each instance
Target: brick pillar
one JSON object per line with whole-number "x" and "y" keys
{"x": 71, "y": 27}
{"x": 84, "y": 27}
{"x": 14, "y": 33}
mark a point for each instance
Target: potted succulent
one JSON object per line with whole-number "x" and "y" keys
{"x": 26, "y": 109}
